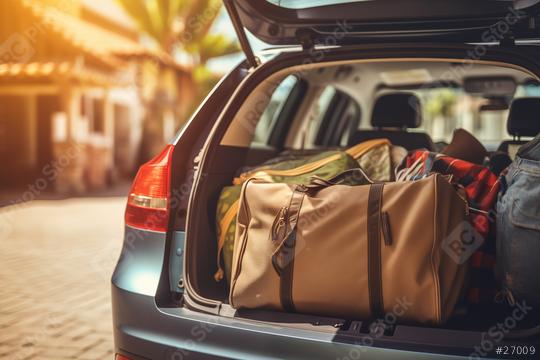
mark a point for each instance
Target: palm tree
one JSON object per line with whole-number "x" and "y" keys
{"x": 181, "y": 24}
{"x": 181, "y": 28}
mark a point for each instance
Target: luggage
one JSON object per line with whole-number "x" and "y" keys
{"x": 374, "y": 155}
{"x": 325, "y": 165}
{"x": 481, "y": 187}
{"x": 295, "y": 170}
{"x": 518, "y": 226}
{"x": 349, "y": 251}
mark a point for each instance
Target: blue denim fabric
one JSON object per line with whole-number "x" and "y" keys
{"x": 518, "y": 225}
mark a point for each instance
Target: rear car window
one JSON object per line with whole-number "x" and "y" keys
{"x": 306, "y": 4}
{"x": 321, "y": 107}
{"x": 334, "y": 115}
{"x": 273, "y": 110}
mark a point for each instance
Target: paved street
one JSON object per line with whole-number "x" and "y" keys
{"x": 56, "y": 258}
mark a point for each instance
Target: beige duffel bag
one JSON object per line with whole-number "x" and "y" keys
{"x": 350, "y": 251}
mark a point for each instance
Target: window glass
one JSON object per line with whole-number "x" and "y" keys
{"x": 306, "y": 4}
{"x": 352, "y": 119}
{"x": 92, "y": 109}
{"x": 446, "y": 109}
{"x": 317, "y": 114}
{"x": 272, "y": 111}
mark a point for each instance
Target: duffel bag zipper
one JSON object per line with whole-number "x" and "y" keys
{"x": 355, "y": 151}
{"x": 290, "y": 172}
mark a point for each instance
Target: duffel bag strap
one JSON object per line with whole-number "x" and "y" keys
{"x": 374, "y": 225}
{"x": 283, "y": 256}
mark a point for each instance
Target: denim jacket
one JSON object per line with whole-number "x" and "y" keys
{"x": 518, "y": 225}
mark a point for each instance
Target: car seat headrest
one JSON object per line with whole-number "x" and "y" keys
{"x": 524, "y": 117}
{"x": 401, "y": 110}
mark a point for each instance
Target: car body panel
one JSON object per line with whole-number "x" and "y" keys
{"x": 144, "y": 330}
{"x": 141, "y": 328}
{"x": 139, "y": 268}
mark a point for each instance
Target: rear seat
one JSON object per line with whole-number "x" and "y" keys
{"x": 523, "y": 120}
{"x": 397, "y": 111}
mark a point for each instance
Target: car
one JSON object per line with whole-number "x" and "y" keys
{"x": 329, "y": 65}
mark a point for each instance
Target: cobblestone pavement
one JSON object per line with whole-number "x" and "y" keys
{"x": 56, "y": 258}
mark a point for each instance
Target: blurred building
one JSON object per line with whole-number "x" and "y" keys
{"x": 75, "y": 86}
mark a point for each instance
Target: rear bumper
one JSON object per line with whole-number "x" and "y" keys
{"x": 142, "y": 330}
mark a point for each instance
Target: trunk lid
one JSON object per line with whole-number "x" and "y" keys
{"x": 326, "y": 22}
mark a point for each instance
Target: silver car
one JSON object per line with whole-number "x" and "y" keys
{"x": 328, "y": 64}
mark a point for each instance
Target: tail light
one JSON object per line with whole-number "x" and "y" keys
{"x": 121, "y": 357}
{"x": 148, "y": 201}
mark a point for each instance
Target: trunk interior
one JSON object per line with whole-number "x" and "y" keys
{"x": 471, "y": 318}
{"x": 326, "y": 107}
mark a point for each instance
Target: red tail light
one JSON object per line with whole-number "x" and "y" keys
{"x": 148, "y": 201}
{"x": 121, "y": 357}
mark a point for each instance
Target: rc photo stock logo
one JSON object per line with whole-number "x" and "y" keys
{"x": 462, "y": 242}
{"x": 16, "y": 49}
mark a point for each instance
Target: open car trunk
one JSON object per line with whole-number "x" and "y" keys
{"x": 221, "y": 162}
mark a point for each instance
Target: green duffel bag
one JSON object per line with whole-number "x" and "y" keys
{"x": 294, "y": 170}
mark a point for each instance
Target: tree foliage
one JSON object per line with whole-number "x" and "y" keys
{"x": 182, "y": 24}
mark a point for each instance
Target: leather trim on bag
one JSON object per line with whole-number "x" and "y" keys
{"x": 374, "y": 249}
{"x": 283, "y": 256}
{"x": 286, "y": 278}
{"x": 436, "y": 240}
